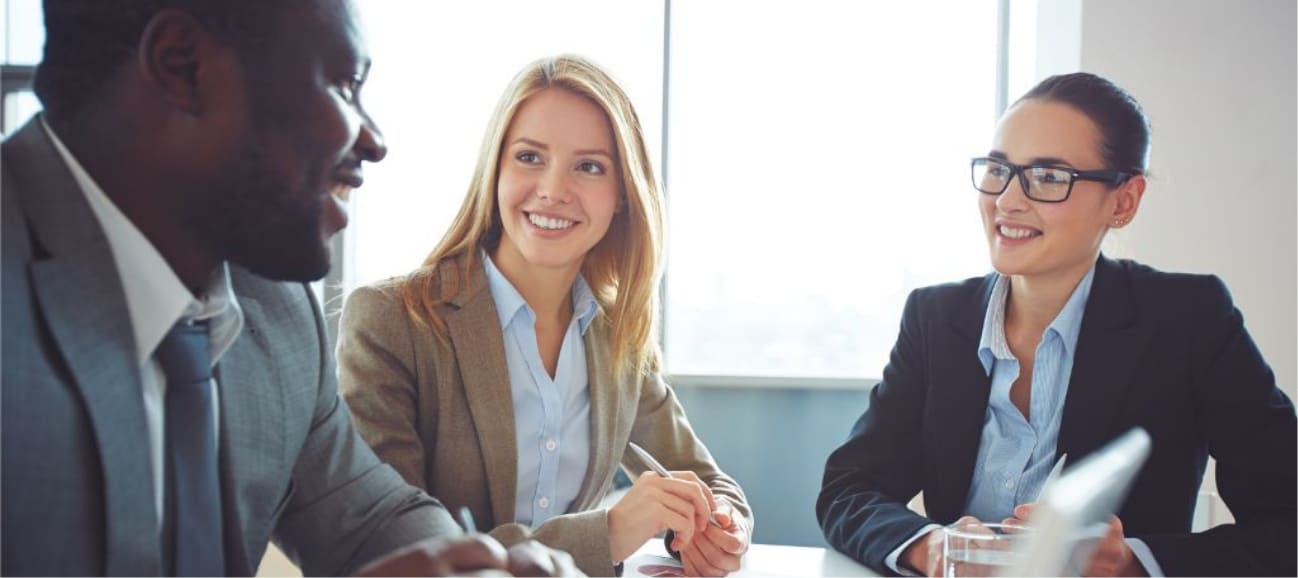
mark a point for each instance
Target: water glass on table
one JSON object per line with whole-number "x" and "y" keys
{"x": 972, "y": 548}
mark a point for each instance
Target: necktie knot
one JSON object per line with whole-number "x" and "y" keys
{"x": 185, "y": 354}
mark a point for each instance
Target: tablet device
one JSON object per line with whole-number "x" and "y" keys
{"x": 1074, "y": 511}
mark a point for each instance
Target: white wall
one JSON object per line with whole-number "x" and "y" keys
{"x": 1218, "y": 81}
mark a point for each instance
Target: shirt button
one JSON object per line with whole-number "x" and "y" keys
{"x": 1009, "y": 484}
{"x": 550, "y": 445}
{"x": 543, "y": 503}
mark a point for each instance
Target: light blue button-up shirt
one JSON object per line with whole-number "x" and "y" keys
{"x": 551, "y": 415}
{"x": 1015, "y": 454}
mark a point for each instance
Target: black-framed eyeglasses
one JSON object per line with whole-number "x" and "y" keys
{"x": 1044, "y": 183}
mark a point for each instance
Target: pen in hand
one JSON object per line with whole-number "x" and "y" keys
{"x": 660, "y": 470}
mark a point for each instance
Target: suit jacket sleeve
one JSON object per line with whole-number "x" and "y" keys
{"x": 378, "y": 380}
{"x": 347, "y": 508}
{"x": 583, "y": 535}
{"x": 868, "y": 480}
{"x": 1250, "y": 428}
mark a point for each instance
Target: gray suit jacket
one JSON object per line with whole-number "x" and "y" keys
{"x": 78, "y": 494}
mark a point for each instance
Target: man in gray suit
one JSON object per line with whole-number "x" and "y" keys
{"x": 169, "y": 399}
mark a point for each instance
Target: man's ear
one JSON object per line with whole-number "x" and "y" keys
{"x": 175, "y": 57}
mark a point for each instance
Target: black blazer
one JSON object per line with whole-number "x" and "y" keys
{"x": 1164, "y": 351}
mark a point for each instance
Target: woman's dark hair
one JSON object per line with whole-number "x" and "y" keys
{"x": 1124, "y": 129}
{"x": 87, "y": 41}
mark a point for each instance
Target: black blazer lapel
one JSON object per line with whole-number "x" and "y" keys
{"x": 957, "y": 401}
{"x": 1109, "y": 347}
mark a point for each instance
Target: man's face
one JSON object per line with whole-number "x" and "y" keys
{"x": 281, "y": 192}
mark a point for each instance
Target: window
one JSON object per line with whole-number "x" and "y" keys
{"x": 23, "y": 35}
{"x": 818, "y": 172}
{"x": 814, "y": 153}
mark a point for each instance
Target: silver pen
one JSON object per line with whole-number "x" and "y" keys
{"x": 466, "y": 520}
{"x": 660, "y": 470}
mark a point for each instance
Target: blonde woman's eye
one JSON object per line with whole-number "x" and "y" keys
{"x": 591, "y": 168}
{"x": 528, "y": 157}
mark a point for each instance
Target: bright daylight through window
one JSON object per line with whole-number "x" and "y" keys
{"x": 817, "y": 154}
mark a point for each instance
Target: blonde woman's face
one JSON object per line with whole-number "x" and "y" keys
{"x": 558, "y": 185}
{"x": 1028, "y": 237}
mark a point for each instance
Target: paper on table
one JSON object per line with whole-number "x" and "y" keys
{"x": 652, "y": 565}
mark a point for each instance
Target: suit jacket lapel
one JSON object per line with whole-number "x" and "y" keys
{"x": 957, "y": 403}
{"x": 81, "y": 298}
{"x": 249, "y": 403}
{"x": 1108, "y": 349}
{"x": 479, "y": 348}
{"x": 605, "y": 396}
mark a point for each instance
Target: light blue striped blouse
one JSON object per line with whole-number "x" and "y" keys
{"x": 1015, "y": 454}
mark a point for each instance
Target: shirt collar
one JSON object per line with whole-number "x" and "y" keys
{"x": 155, "y": 297}
{"x": 584, "y": 305}
{"x": 1067, "y": 325}
{"x": 509, "y": 301}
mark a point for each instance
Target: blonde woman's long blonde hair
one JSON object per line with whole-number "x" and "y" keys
{"x": 623, "y": 269}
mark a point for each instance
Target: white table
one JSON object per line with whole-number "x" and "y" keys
{"x": 766, "y": 560}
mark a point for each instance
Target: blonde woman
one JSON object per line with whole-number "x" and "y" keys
{"x": 509, "y": 373}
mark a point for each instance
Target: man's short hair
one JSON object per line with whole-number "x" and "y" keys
{"x": 88, "y": 41}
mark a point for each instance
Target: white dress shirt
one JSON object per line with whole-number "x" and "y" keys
{"x": 156, "y": 300}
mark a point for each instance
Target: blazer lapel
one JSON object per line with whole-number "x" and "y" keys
{"x": 1108, "y": 349}
{"x": 80, "y": 297}
{"x": 479, "y": 348}
{"x": 957, "y": 403}
{"x": 605, "y": 390}
{"x": 253, "y": 429}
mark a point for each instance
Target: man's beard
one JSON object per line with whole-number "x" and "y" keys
{"x": 256, "y": 221}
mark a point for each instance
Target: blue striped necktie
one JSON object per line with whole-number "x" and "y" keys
{"x": 193, "y": 506}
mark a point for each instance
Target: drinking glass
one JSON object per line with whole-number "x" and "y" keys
{"x": 972, "y": 548}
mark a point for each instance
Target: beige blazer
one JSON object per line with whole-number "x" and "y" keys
{"x": 443, "y": 416}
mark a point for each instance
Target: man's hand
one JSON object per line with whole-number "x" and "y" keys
{"x": 717, "y": 550}
{"x": 532, "y": 558}
{"x": 471, "y": 555}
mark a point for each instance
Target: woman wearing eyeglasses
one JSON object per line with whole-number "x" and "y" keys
{"x": 1059, "y": 351}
